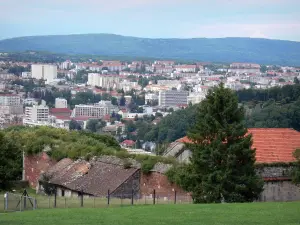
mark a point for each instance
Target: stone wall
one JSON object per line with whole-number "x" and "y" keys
{"x": 163, "y": 187}
{"x": 280, "y": 191}
{"x": 278, "y": 185}
{"x": 125, "y": 190}
{"x": 275, "y": 172}
{"x": 34, "y": 166}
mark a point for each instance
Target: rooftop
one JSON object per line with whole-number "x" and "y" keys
{"x": 272, "y": 144}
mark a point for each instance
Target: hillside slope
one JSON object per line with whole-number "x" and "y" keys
{"x": 262, "y": 51}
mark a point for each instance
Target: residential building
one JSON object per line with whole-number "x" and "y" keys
{"x": 61, "y": 103}
{"x": 186, "y": 68}
{"x": 151, "y": 98}
{"x": 113, "y": 65}
{"x": 36, "y": 113}
{"x": 195, "y": 97}
{"x": 104, "y": 81}
{"x": 98, "y": 110}
{"x": 30, "y": 101}
{"x": 44, "y": 71}
{"x": 10, "y": 104}
{"x": 10, "y": 99}
{"x": 66, "y": 65}
{"x": 172, "y": 98}
{"x": 26, "y": 74}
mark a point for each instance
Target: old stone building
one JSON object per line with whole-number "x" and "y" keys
{"x": 274, "y": 153}
{"x": 96, "y": 177}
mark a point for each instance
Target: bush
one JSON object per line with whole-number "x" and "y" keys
{"x": 148, "y": 165}
{"x": 127, "y": 164}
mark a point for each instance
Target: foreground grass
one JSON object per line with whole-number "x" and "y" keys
{"x": 223, "y": 214}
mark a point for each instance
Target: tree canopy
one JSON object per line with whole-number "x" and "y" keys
{"x": 222, "y": 162}
{"x": 11, "y": 160}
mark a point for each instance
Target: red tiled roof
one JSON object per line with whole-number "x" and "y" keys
{"x": 60, "y": 110}
{"x": 128, "y": 142}
{"x": 272, "y": 144}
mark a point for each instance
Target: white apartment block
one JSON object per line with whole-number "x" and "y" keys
{"x": 66, "y": 65}
{"x": 104, "y": 81}
{"x": 98, "y": 110}
{"x": 10, "y": 104}
{"x": 26, "y": 74}
{"x": 10, "y": 99}
{"x": 127, "y": 85}
{"x": 36, "y": 113}
{"x": 195, "y": 97}
{"x": 186, "y": 68}
{"x": 30, "y": 101}
{"x": 172, "y": 98}
{"x": 61, "y": 103}
{"x": 150, "y": 97}
{"x": 44, "y": 71}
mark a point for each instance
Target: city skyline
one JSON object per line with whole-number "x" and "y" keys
{"x": 276, "y": 19}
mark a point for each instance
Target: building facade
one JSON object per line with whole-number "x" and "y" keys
{"x": 61, "y": 103}
{"x": 37, "y": 113}
{"x": 44, "y": 71}
{"x": 172, "y": 98}
{"x": 97, "y": 110}
{"x": 104, "y": 81}
{"x": 10, "y": 104}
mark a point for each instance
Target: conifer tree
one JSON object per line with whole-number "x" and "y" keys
{"x": 222, "y": 157}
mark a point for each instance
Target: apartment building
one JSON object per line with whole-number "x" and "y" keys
{"x": 10, "y": 104}
{"x": 150, "y": 98}
{"x": 44, "y": 71}
{"x": 36, "y": 113}
{"x": 186, "y": 68}
{"x": 10, "y": 99}
{"x": 172, "y": 98}
{"x": 61, "y": 103}
{"x": 195, "y": 97}
{"x": 104, "y": 81}
{"x": 97, "y": 110}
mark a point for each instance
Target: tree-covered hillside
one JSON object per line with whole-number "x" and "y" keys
{"x": 262, "y": 51}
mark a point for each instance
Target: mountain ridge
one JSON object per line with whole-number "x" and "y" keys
{"x": 230, "y": 49}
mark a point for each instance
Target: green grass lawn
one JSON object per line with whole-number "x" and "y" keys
{"x": 231, "y": 214}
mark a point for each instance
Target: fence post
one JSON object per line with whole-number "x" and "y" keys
{"x": 25, "y": 202}
{"x": 21, "y": 203}
{"x": 6, "y": 201}
{"x": 65, "y": 202}
{"x": 55, "y": 195}
{"x": 35, "y": 203}
{"x": 154, "y": 196}
{"x": 108, "y": 197}
{"x": 175, "y": 197}
{"x": 132, "y": 192}
{"x": 81, "y": 199}
{"x": 94, "y": 202}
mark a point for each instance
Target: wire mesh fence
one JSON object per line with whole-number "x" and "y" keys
{"x": 14, "y": 202}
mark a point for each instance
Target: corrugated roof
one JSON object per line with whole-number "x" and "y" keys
{"x": 271, "y": 144}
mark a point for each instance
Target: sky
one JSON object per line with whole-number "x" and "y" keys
{"x": 274, "y": 19}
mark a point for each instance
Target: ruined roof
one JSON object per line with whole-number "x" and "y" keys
{"x": 272, "y": 144}
{"x": 94, "y": 178}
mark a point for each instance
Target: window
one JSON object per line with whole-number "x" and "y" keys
{"x": 62, "y": 193}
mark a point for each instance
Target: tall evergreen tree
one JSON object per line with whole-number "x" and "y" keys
{"x": 222, "y": 158}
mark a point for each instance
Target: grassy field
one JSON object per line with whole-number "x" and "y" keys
{"x": 223, "y": 214}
